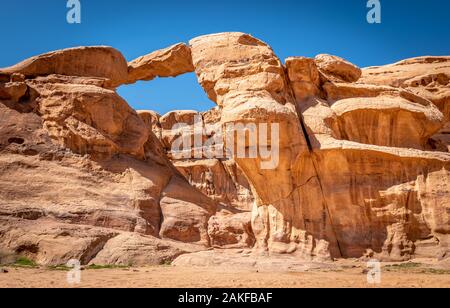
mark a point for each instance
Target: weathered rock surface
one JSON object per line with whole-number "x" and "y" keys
{"x": 304, "y": 77}
{"x": 228, "y": 230}
{"x": 246, "y": 79}
{"x": 222, "y": 181}
{"x": 131, "y": 249}
{"x": 74, "y": 156}
{"x": 383, "y": 116}
{"x": 170, "y": 62}
{"x": 90, "y": 119}
{"x": 338, "y": 68}
{"x": 362, "y": 170}
{"x": 102, "y": 62}
{"x": 338, "y": 156}
{"x": 218, "y": 178}
{"x": 427, "y": 77}
{"x": 185, "y": 213}
{"x": 361, "y": 137}
{"x": 151, "y": 120}
{"x": 52, "y": 243}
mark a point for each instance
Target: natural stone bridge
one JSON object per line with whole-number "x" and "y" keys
{"x": 364, "y": 157}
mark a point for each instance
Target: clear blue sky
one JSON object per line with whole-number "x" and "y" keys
{"x": 292, "y": 27}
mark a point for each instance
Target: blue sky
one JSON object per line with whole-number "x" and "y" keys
{"x": 292, "y": 27}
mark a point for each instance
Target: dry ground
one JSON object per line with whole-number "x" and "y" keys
{"x": 205, "y": 277}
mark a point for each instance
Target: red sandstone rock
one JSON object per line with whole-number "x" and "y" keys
{"x": 364, "y": 162}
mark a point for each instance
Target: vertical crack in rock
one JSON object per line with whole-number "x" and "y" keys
{"x": 250, "y": 86}
{"x": 314, "y": 161}
{"x": 306, "y": 90}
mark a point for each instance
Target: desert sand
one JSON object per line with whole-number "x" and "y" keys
{"x": 189, "y": 277}
{"x": 341, "y": 274}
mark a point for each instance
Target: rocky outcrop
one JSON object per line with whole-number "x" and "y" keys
{"x": 337, "y": 159}
{"x": 185, "y": 214}
{"x": 223, "y": 181}
{"x": 361, "y": 137}
{"x": 151, "y": 120}
{"x": 74, "y": 156}
{"x": 170, "y": 62}
{"x": 361, "y": 157}
{"x": 101, "y": 62}
{"x": 231, "y": 231}
{"x": 89, "y": 119}
{"x": 383, "y": 116}
{"x": 131, "y": 249}
{"x": 338, "y": 68}
{"x": 246, "y": 79}
{"x": 427, "y": 77}
{"x": 220, "y": 179}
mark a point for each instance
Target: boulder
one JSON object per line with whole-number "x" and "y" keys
{"x": 131, "y": 249}
{"x": 51, "y": 243}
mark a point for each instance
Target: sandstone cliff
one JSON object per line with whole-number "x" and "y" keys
{"x": 363, "y": 167}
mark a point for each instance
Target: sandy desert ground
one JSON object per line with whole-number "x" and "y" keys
{"x": 412, "y": 275}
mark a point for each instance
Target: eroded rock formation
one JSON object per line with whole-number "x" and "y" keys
{"x": 218, "y": 178}
{"x": 79, "y": 167}
{"x": 363, "y": 166}
{"x": 169, "y": 62}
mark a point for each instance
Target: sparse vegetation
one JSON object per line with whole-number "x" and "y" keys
{"x": 435, "y": 271}
{"x": 9, "y": 258}
{"x": 24, "y": 262}
{"x": 166, "y": 263}
{"x": 416, "y": 268}
{"x": 403, "y": 266}
{"x": 59, "y": 268}
{"x": 100, "y": 267}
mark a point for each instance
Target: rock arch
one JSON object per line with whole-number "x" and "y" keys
{"x": 340, "y": 190}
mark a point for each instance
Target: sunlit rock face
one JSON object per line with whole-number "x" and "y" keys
{"x": 353, "y": 152}
{"x": 427, "y": 77}
{"x": 362, "y": 166}
{"x": 83, "y": 174}
{"x": 248, "y": 81}
{"x": 373, "y": 151}
{"x": 169, "y": 62}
